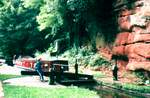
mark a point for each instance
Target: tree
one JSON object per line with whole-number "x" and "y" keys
{"x": 49, "y": 17}
{"x": 81, "y": 19}
{"x": 62, "y": 16}
{"x": 18, "y": 29}
{"x": 24, "y": 23}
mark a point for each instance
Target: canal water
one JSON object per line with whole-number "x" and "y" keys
{"x": 108, "y": 92}
{"x": 105, "y": 92}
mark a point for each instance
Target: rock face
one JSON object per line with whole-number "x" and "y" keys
{"x": 133, "y": 41}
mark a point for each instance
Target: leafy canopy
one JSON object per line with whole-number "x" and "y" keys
{"x": 18, "y": 29}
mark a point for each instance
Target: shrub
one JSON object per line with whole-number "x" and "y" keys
{"x": 140, "y": 74}
{"x": 85, "y": 57}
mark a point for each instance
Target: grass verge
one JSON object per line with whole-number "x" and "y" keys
{"x": 34, "y": 92}
{"x": 11, "y": 91}
{"x": 4, "y": 77}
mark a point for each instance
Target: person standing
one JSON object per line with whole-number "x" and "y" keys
{"x": 38, "y": 68}
{"x": 76, "y": 69}
{"x": 115, "y": 71}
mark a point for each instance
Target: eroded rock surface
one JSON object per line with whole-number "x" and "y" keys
{"x": 133, "y": 41}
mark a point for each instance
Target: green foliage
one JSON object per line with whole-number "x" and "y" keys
{"x": 99, "y": 75}
{"x": 141, "y": 74}
{"x": 51, "y": 48}
{"x": 78, "y": 9}
{"x": 34, "y": 92}
{"x": 25, "y": 24}
{"x": 49, "y": 17}
{"x": 44, "y": 55}
{"x": 33, "y": 4}
{"x": 85, "y": 57}
{"x": 81, "y": 18}
{"x": 97, "y": 60}
{"x": 18, "y": 29}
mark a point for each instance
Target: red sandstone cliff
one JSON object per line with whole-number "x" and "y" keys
{"x": 132, "y": 44}
{"x": 133, "y": 41}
